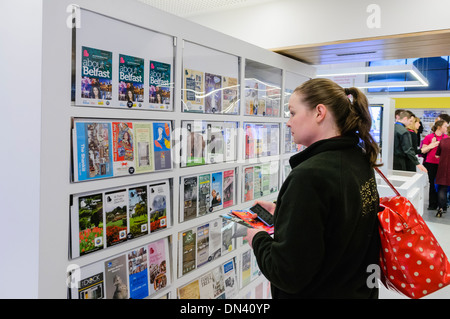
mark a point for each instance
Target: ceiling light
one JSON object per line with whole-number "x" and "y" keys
{"x": 373, "y": 70}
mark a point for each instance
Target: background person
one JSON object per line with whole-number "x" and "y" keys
{"x": 429, "y": 147}
{"x": 404, "y": 153}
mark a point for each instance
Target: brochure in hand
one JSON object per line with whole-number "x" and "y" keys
{"x": 246, "y": 218}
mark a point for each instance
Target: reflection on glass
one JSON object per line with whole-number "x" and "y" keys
{"x": 262, "y": 89}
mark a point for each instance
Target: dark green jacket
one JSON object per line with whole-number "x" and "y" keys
{"x": 326, "y": 229}
{"x": 405, "y": 158}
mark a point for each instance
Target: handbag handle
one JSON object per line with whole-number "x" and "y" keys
{"x": 387, "y": 181}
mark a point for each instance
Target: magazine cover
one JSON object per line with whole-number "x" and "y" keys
{"x": 137, "y": 211}
{"x": 216, "y": 190}
{"x": 257, "y": 182}
{"x": 188, "y": 253}
{"x": 195, "y": 143}
{"x": 204, "y": 199}
{"x": 189, "y": 190}
{"x": 193, "y": 94}
{"x": 274, "y": 140}
{"x": 190, "y": 291}
{"x": 131, "y": 81}
{"x": 248, "y": 184}
{"x": 274, "y": 168}
{"x": 160, "y": 86}
{"x": 230, "y": 279}
{"x": 228, "y": 188}
{"x": 96, "y": 76}
{"x": 116, "y": 278}
{"x": 247, "y": 217}
{"x": 93, "y": 151}
{"x": 162, "y": 145}
{"x": 206, "y": 282}
{"x": 116, "y": 217}
{"x": 274, "y": 93}
{"x": 249, "y": 140}
{"x": 215, "y": 144}
{"x": 89, "y": 217}
{"x": 260, "y": 139}
{"x": 123, "y": 148}
{"x": 91, "y": 284}
{"x": 215, "y": 239}
{"x": 260, "y": 107}
{"x": 246, "y": 268}
{"x": 138, "y": 274}
{"x": 213, "y": 93}
{"x": 256, "y": 272}
{"x": 251, "y": 96}
{"x": 143, "y": 147}
{"x": 158, "y": 259}
{"x": 230, "y": 102}
{"x": 228, "y": 242}
{"x": 230, "y": 137}
{"x": 218, "y": 283}
{"x": 265, "y": 182}
{"x": 202, "y": 244}
{"x": 159, "y": 200}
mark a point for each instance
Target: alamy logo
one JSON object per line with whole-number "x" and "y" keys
{"x": 374, "y": 19}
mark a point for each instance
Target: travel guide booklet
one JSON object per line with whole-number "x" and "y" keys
{"x": 123, "y": 148}
{"x": 244, "y": 217}
{"x": 143, "y": 147}
{"x": 158, "y": 259}
{"x": 137, "y": 211}
{"x": 93, "y": 151}
{"x": 162, "y": 145}
{"x": 131, "y": 81}
{"x": 116, "y": 217}
{"x": 96, "y": 77}
{"x": 160, "y": 86}
{"x": 87, "y": 225}
{"x": 159, "y": 201}
{"x": 193, "y": 94}
{"x": 138, "y": 274}
{"x": 213, "y": 93}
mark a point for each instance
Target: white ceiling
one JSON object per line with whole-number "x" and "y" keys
{"x": 187, "y": 8}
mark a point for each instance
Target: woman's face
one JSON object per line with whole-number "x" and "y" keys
{"x": 443, "y": 128}
{"x": 302, "y": 121}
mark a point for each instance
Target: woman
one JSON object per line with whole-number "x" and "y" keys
{"x": 325, "y": 228}
{"x": 443, "y": 175}
{"x": 429, "y": 147}
{"x": 412, "y": 129}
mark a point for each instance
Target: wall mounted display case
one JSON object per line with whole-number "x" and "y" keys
{"x": 151, "y": 115}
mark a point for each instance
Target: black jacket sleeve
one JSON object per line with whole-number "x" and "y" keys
{"x": 295, "y": 254}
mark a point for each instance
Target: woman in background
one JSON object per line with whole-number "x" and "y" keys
{"x": 429, "y": 147}
{"x": 412, "y": 129}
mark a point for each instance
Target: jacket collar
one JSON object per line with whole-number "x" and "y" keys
{"x": 331, "y": 144}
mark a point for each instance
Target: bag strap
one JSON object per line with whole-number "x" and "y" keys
{"x": 387, "y": 181}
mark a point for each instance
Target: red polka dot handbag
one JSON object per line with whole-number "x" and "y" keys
{"x": 412, "y": 261}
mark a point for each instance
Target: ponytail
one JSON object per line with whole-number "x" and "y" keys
{"x": 350, "y": 108}
{"x": 359, "y": 121}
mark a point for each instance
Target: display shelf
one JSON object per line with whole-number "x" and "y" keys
{"x": 59, "y": 111}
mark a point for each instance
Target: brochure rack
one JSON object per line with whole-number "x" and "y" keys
{"x": 93, "y": 52}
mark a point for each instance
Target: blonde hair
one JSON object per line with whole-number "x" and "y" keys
{"x": 413, "y": 125}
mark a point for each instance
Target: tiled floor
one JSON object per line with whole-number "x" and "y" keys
{"x": 441, "y": 230}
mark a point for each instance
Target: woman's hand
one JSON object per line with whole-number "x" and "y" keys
{"x": 251, "y": 232}
{"x": 269, "y": 206}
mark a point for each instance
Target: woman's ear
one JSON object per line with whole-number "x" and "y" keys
{"x": 321, "y": 112}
